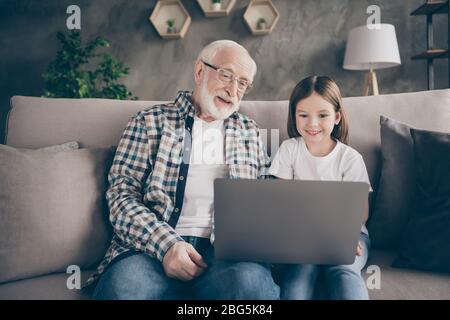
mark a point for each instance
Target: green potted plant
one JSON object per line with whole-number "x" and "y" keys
{"x": 216, "y": 5}
{"x": 261, "y": 24}
{"x": 171, "y": 26}
{"x": 80, "y": 72}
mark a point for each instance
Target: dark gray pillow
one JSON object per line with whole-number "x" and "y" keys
{"x": 426, "y": 240}
{"x": 53, "y": 210}
{"x": 396, "y": 188}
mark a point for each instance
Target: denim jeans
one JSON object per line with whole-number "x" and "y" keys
{"x": 138, "y": 276}
{"x": 343, "y": 282}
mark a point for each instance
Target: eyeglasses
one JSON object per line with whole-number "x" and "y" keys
{"x": 243, "y": 85}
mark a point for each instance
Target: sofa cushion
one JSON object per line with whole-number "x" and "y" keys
{"x": 48, "y": 287}
{"x": 72, "y": 145}
{"x": 425, "y": 244}
{"x": 397, "y": 184}
{"x": 404, "y": 284}
{"x": 52, "y": 210}
{"x": 396, "y": 284}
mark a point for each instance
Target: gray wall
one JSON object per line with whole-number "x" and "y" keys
{"x": 309, "y": 38}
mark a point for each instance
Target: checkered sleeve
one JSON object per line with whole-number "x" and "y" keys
{"x": 133, "y": 222}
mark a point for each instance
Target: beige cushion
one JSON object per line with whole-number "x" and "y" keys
{"x": 72, "y": 145}
{"x": 405, "y": 284}
{"x": 52, "y": 210}
{"x": 47, "y": 287}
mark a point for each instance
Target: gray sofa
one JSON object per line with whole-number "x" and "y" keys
{"x": 38, "y": 122}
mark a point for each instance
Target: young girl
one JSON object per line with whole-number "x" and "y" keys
{"x": 317, "y": 150}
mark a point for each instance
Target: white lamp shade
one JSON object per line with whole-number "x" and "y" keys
{"x": 372, "y": 48}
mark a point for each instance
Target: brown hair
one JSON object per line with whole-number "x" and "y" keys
{"x": 327, "y": 89}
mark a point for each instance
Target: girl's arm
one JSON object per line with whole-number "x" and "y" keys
{"x": 355, "y": 170}
{"x": 359, "y": 248}
{"x": 281, "y": 166}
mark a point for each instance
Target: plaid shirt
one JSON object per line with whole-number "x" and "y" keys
{"x": 148, "y": 175}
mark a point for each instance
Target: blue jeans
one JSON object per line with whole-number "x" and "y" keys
{"x": 344, "y": 282}
{"x": 138, "y": 276}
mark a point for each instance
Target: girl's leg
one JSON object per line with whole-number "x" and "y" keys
{"x": 345, "y": 282}
{"x": 298, "y": 281}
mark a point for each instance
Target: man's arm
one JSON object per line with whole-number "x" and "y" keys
{"x": 133, "y": 222}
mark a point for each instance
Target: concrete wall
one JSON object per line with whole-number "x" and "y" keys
{"x": 310, "y": 38}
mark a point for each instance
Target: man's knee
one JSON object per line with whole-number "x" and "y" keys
{"x": 252, "y": 281}
{"x": 137, "y": 277}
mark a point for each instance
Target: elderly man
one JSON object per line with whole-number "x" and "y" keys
{"x": 161, "y": 190}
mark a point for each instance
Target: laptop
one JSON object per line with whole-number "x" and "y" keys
{"x": 288, "y": 221}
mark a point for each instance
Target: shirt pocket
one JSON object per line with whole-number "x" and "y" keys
{"x": 244, "y": 162}
{"x": 170, "y": 146}
{"x": 168, "y": 157}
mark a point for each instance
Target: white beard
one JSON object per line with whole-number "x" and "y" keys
{"x": 209, "y": 107}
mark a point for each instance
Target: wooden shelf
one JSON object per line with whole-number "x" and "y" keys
{"x": 431, "y": 7}
{"x": 431, "y": 54}
{"x": 166, "y": 10}
{"x": 258, "y": 9}
{"x": 207, "y": 8}
{"x": 428, "y": 9}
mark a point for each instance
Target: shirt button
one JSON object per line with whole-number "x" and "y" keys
{"x": 181, "y": 178}
{"x": 176, "y": 210}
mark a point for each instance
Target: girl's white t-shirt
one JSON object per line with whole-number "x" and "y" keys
{"x": 293, "y": 161}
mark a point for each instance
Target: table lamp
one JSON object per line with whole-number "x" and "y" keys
{"x": 370, "y": 49}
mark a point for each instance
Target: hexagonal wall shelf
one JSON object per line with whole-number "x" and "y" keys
{"x": 170, "y": 19}
{"x": 261, "y": 16}
{"x": 216, "y": 10}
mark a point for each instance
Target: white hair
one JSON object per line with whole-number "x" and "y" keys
{"x": 209, "y": 52}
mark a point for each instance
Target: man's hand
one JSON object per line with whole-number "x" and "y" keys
{"x": 183, "y": 262}
{"x": 359, "y": 249}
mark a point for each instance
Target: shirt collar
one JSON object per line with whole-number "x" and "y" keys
{"x": 184, "y": 104}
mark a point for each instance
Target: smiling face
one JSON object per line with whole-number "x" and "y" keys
{"x": 215, "y": 98}
{"x": 315, "y": 119}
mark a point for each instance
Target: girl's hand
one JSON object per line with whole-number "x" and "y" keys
{"x": 359, "y": 249}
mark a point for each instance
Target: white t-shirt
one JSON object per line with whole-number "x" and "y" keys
{"x": 294, "y": 161}
{"x": 207, "y": 162}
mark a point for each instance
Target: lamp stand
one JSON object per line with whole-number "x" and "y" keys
{"x": 371, "y": 81}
